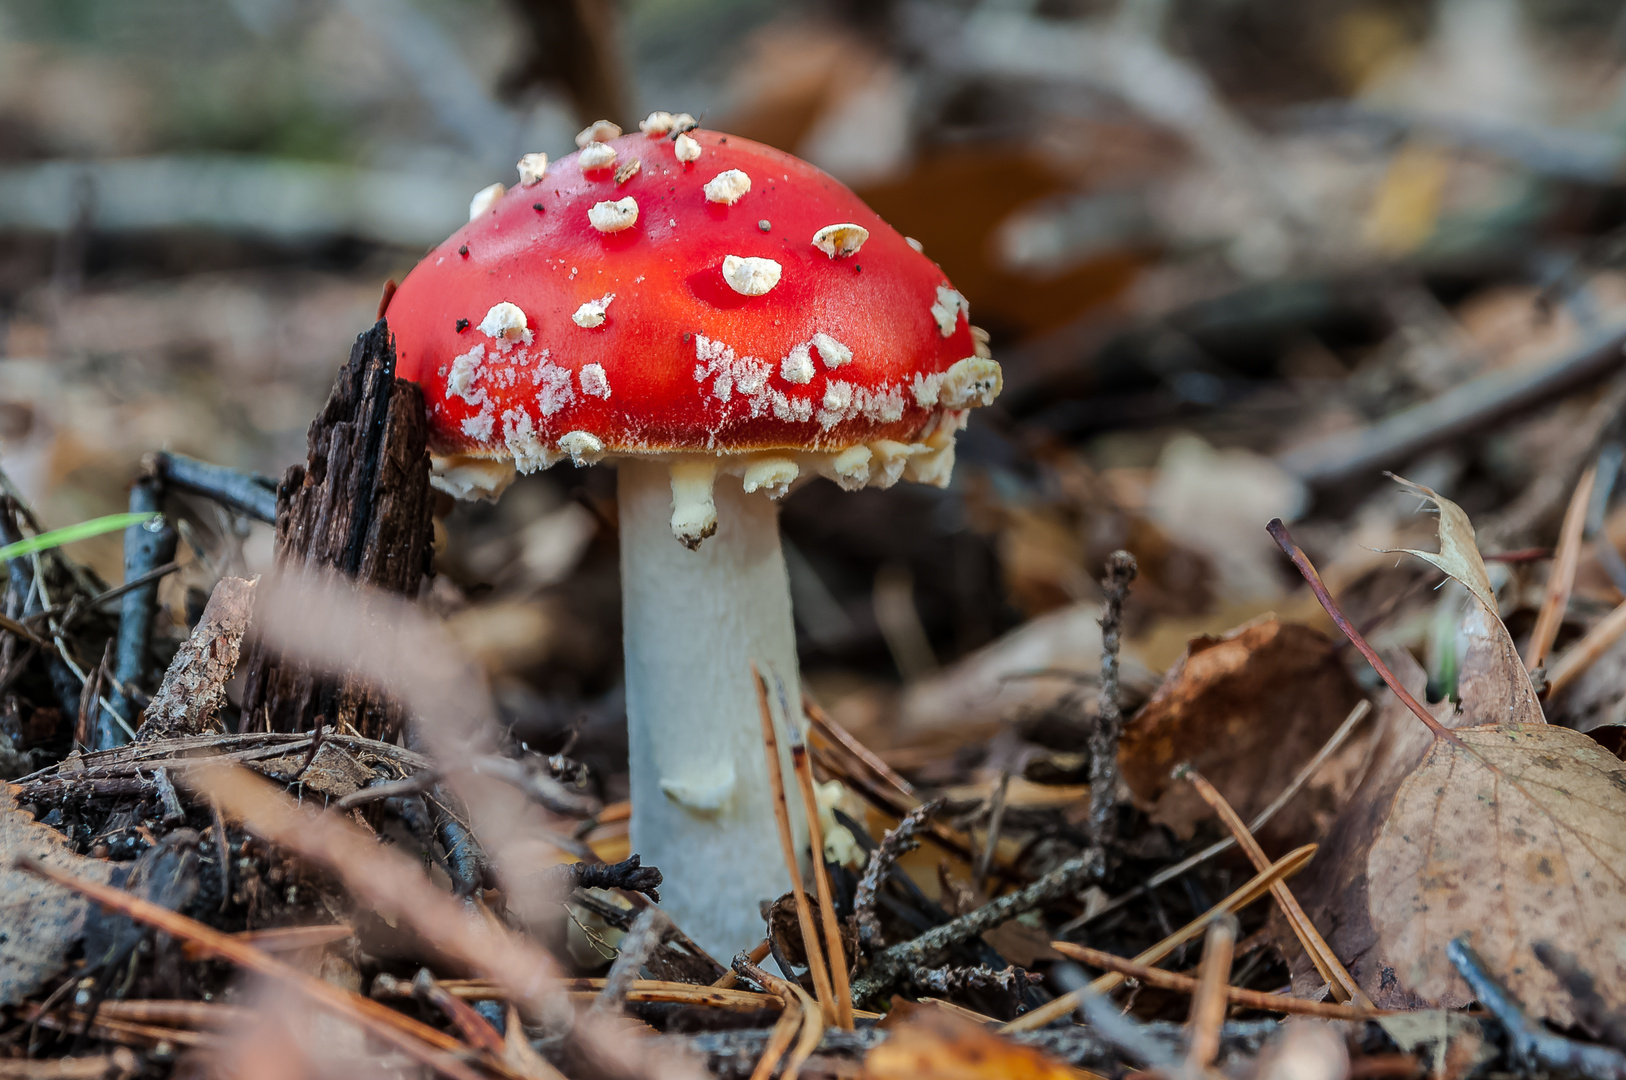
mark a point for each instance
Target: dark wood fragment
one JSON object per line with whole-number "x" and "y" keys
{"x": 360, "y": 505}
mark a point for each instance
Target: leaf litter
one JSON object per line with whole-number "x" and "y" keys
{"x": 1508, "y": 831}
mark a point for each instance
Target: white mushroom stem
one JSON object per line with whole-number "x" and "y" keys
{"x": 694, "y": 620}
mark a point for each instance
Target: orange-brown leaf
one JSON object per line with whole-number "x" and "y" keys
{"x": 933, "y": 1044}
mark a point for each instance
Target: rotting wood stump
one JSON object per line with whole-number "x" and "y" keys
{"x": 361, "y": 505}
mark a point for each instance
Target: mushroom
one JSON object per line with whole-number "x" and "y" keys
{"x": 766, "y": 328}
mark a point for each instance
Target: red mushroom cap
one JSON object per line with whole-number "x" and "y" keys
{"x": 716, "y": 312}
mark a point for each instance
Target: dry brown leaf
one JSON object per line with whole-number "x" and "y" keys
{"x": 1507, "y": 830}
{"x": 1493, "y": 686}
{"x": 929, "y": 1043}
{"x": 39, "y": 922}
{"x": 1517, "y": 835}
{"x": 1247, "y": 710}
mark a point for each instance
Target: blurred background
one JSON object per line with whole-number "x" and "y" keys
{"x": 1216, "y": 243}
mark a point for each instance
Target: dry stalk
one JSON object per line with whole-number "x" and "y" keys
{"x": 826, "y": 725}
{"x": 1326, "y": 961}
{"x": 1561, "y": 579}
{"x": 1185, "y": 984}
{"x": 812, "y": 1019}
{"x": 787, "y": 841}
{"x": 1168, "y": 874}
{"x": 1208, "y": 1003}
{"x": 840, "y": 987}
{"x": 1584, "y": 653}
{"x": 1259, "y": 885}
{"x": 641, "y": 940}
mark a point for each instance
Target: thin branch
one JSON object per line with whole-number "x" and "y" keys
{"x": 1528, "y": 1041}
{"x": 1121, "y": 570}
{"x": 1285, "y": 541}
{"x": 1185, "y": 984}
{"x": 1286, "y": 866}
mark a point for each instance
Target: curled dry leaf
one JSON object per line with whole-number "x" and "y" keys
{"x": 40, "y": 922}
{"x": 1493, "y": 685}
{"x": 1516, "y": 835}
{"x": 1247, "y": 710}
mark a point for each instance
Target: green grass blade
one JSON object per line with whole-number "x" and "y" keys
{"x": 68, "y": 534}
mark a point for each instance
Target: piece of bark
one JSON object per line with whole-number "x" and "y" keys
{"x": 361, "y": 505}
{"x": 189, "y": 700}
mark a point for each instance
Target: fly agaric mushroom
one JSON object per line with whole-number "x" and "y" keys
{"x": 719, "y": 322}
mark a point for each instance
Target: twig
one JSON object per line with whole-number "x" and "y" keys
{"x": 1470, "y": 407}
{"x": 1301, "y": 561}
{"x": 1259, "y": 885}
{"x": 898, "y": 840}
{"x": 1251, "y": 999}
{"x": 1528, "y": 1042}
{"x": 790, "y": 1020}
{"x": 247, "y": 493}
{"x": 1326, "y": 961}
{"x": 890, "y": 965}
{"x": 888, "y": 801}
{"x": 145, "y": 548}
{"x": 839, "y": 986}
{"x": 1208, "y": 1003}
{"x": 168, "y": 799}
{"x": 996, "y": 822}
{"x": 71, "y": 611}
{"x": 954, "y": 980}
{"x": 1561, "y": 576}
{"x": 813, "y": 1024}
{"x": 1162, "y": 877}
{"x": 1584, "y": 653}
{"x": 779, "y": 1040}
{"x": 787, "y": 843}
{"x": 1121, "y": 570}
{"x": 537, "y": 785}
{"x": 421, "y": 1042}
{"x": 635, "y": 947}
{"x": 825, "y": 724}
{"x": 416, "y": 784}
